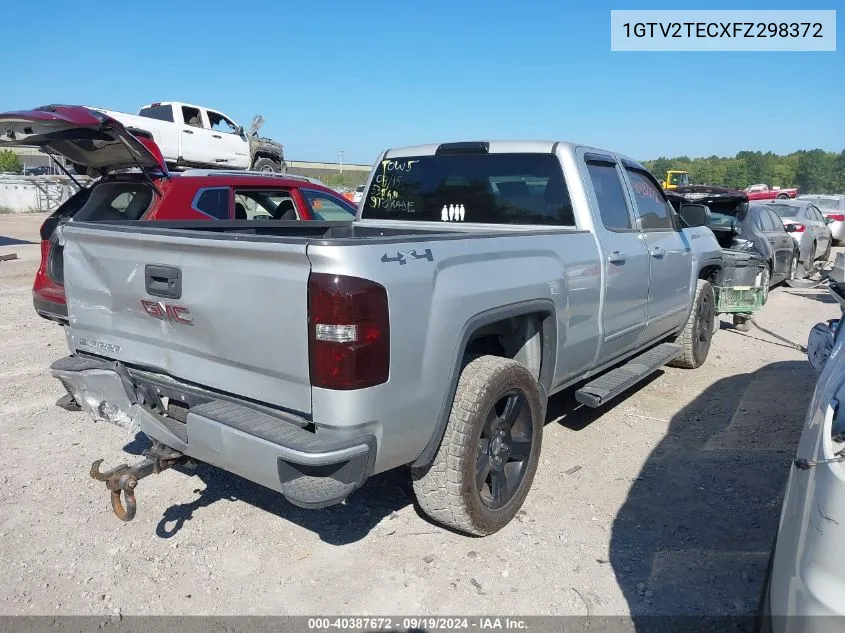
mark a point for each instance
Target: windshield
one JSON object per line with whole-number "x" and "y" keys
{"x": 785, "y": 210}
{"x": 485, "y": 188}
{"x": 679, "y": 180}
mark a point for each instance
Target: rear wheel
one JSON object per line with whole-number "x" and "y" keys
{"x": 805, "y": 267}
{"x": 765, "y": 279}
{"x": 697, "y": 334}
{"x": 782, "y": 196}
{"x": 486, "y": 462}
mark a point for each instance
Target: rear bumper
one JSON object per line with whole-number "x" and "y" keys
{"x": 274, "y": 450}
{"x": 837, "y": 230}
{"x": 50, "y": 310}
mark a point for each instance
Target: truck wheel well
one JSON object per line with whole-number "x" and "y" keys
{"x": 519, "y": 338}
{"x": 712, "y": 274}
{"x": 265, "y": 154}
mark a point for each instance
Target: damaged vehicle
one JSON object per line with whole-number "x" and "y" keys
{"x": 477, "y": 279}
{"x": 805, "y": 581}
{"x": 134, "y": 183}
{"x": 758, "y": 251}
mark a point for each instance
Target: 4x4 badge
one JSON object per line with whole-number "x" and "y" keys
{"x": 403, "y": 256}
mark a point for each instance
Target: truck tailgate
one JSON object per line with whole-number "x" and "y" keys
{"x": 238, "y": 324}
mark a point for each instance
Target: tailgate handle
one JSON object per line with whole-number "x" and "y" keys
{"x": 163, "y": 281}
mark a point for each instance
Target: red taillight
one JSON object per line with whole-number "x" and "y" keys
{"x": 836, "y": 217}
{"x": 798, "y": 228}
{"x": 45, "y": 287}
{"x": 348, "y": 332}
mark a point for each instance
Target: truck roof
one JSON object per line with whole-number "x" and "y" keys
{"x": 505, "y": 147}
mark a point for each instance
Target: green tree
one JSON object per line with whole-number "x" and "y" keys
{"x": 813, "y": 171}
{"x": 10, "y": 162}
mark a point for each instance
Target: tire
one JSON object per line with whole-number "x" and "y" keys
{"x": 765, "y": 279}
{"x": 806, "y": 266}
{"x": 266, "y": 165}
{"x": 697, "y": 334}
{"x": 494, "y": 396}
{"x": 793, "y": 267}
{"x": 742, "y": 322}
{"x": 783, "y": 196}
{"x": 826, "y": 257}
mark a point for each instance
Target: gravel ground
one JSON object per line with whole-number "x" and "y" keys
{"x": 665, "y": 503}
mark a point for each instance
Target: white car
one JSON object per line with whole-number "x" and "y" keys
{"x": 807, "y": 567}
{"x": 358, "y": 194}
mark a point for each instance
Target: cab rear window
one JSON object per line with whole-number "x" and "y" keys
{"x": 483, "y": 188}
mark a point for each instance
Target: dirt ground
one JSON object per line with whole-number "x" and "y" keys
{"x": 671, "y": 510}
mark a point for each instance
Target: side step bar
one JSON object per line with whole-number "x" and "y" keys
{"x": 609, "y": 385}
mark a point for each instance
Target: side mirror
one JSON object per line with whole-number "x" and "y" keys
{"x": 790, "y": 228}
{"x": 820, "y": 345}
{"x": 694, "y": 215}
{"x": 241, "y": 131}
{"x": 828, "y": 219}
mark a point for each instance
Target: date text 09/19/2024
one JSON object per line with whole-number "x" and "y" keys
{"x": 422, "y": 622}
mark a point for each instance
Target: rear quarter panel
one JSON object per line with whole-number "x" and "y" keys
{"x": 430, "y": 302}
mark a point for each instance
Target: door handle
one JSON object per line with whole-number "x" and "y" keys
{"x": 163, "y": 281}
{"x": 658, "y": 252}
{"x": 216, "y": 136}
{"x": 617, "y": 257}
{"x": 187, "y": 131}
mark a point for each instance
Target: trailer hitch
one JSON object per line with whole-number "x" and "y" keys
{"x": 123, "y": 479}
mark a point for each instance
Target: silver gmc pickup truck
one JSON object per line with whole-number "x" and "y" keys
{"x": 477, "y": 280}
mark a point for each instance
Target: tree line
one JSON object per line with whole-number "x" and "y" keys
{"x": 812, "y": 171}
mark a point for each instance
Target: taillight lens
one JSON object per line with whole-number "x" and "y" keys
{"x": 798, "y": 228}
{"x": 55, "y": 262}
{"x": 348, "y": 332}
{"x": 836, "y": 217}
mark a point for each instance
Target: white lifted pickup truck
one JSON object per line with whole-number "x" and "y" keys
{"x": 195, "y": 136}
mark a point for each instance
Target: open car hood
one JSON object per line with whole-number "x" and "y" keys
{"x": 706, "y": 194}
{"x": 83, "y": 136}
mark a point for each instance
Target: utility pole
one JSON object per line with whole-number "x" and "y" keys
{"x": 340, "y": 157}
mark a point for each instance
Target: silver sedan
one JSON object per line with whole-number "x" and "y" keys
{"x": 807, "y": 226}
{"x": 833, "y": 207}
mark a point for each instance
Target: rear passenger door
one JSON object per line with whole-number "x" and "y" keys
{"x": 781, "y": 243}
{"x": 670, "y": 255}
{"x": 625, "y": 260}
{"x": 195, "y": 137}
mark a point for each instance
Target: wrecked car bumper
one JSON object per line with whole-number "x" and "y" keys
{"x": 276, "y": 451}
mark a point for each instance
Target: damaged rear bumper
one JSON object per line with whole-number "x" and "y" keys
{"x": 275, "y": 450}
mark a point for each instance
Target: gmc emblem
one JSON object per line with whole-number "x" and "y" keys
{"x": 167, "y": 312}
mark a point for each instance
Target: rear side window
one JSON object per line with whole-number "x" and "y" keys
{"x": 610, "y": 195}
{"x": 213, "y": 202}
{"x": 484, "y": 188}
{"x": 654, "y": 211}
{"x": 160, "y": 112}
{"x": 116, "y": 201}
{"x": 325, "y": 207}
{"x": 776, "y": 222}
{"x": 264, "y": 204}
{"x": 192, "y": 116}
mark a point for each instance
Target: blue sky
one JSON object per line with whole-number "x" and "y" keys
{"x": 363, "y": 76}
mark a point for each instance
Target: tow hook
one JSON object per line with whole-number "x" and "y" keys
{"x": 123, "y": 479}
